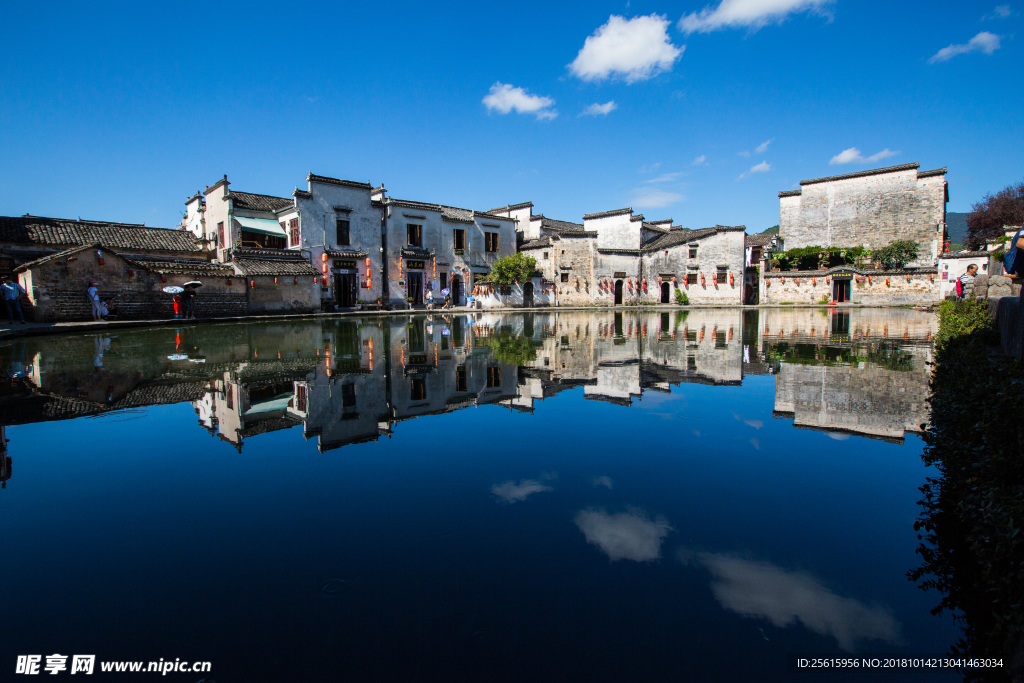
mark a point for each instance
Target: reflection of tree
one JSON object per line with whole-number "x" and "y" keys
{"x": 509, "y": 348}
{"x": 810, "y": 354}
{"x": 972, "y": 549}
{"x": 889, "y": 356}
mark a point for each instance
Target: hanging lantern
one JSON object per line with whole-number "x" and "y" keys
{"x": 659, "y": 280}
{"x": 99, "y": 257}
{"x": 229, "y": 282}
{"x": 323, "y": 281}
{"x": 908, "y": 278}
{"x": 814, "y": 280}
{"x": 702, "y": 279}
{"x": 275, "y": 280}
{"x": 323, "y": 257}
{"x": 731, "y": 279}
{"x": 886, "y": 282}
{"x": 68, "y": 269}
{"x": 869, "y": 279}
{"x": 767, "y": 283}
{"x": 163, "y": 277}
{"x": 294, "y": 283}
{"x": 783, "y": 280}
{"x": 645, "y": 284}
{"x": 673, "y": 279}
{"x": 252, "y": 284}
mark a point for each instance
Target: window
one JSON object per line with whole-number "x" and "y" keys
{"x": 691, "y": 278}
{"x": 722, "y": 276}
{"x": 460, "y": 239}
{"x": 565, "y": 277}
{"x": 693, "y": 252}
{"x": 444, "y": 280}
{"x": 491, "y": 241}
{"x": 415, "y": 233}
{"x": 419, "y": 388}
{"x": 220, "y": 234}
{"x": 545, "y": 256}
{"x": 293, "y": 230}
{"x": 284, "y": 227}
{"x": 344, "y": 238}
{"x": 348, "y": 395}
{"x": 493, "y": 377}
{"x": 300, "y": 398}
{"x": 461, "y": 381}
{"x": 229, "y": 393}
{"x": 565, "y": 340}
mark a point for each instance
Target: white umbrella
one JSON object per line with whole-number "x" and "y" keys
{"x": 194, "y": 283}
{"x": 173, "y": 289}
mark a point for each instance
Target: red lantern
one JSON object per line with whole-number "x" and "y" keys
{"x": 163, "y": 277}
{"x": 673, "y": 279}
{"x": 702, "y": 279}
{"x": 323, "y": 281}
{"x": 99, "y": 257}
{"x": 731, "y": 279}
{"x": 659, "y": 279}
{"x": 325, "y": 268}
{"x": 886, "y": 282}
{"x": 252, "y": 284}
{"x": 68, "y": 269}
{"x": 275, "y": 280}
{"x": 131, "y": 273}
{"x": 323, "y": 257}
{"x": 295, "y": 282}
{"x": 229, "y": 282}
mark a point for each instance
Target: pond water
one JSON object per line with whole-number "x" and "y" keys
{"x": 557, "y": 496}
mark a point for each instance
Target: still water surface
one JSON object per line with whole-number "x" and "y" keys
{"x": 563, "y": 496}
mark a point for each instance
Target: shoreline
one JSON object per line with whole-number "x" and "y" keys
{"x": 17, "y": 330}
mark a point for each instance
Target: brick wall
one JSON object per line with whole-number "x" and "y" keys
{"x": 809, "y": 287}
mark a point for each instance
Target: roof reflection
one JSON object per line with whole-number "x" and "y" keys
{"x": 350, "y": 380}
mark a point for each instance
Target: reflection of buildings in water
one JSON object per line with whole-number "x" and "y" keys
{"x": 5, "y": 462}
{"x": 349, "y": 380}
{"x": 862, "y": 372}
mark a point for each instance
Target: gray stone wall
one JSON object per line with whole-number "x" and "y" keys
{"x": 874, "y": 287}
{"x": 870, "y": 210}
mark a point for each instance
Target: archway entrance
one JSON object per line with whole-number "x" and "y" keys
{"x": 618, "y": 292}
{"x": 840, "y": 290}
{"x": 528, "y": 295}
{"x": 664, "y": 292}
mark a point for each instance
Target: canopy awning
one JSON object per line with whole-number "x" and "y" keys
{"x": 264, "y": 226}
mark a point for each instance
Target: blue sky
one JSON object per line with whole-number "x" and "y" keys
{"x": 121, "y": 111}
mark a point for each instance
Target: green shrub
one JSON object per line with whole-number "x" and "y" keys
{"x": 960, "y": 318}
{"x": 895, "y": 255}
{"x": 681, "y": 297}
{"x": 511, "y": 269}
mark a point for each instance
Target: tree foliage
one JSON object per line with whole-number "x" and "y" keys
{"x": 896, "y": 254}
{"x": 512, "y": 269}
{"x": 987, "y": 217}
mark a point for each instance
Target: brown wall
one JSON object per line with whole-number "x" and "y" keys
{"x": 285, "y": 296}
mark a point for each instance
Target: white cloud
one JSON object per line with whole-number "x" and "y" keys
{"x": 750, "y": 13}
{"x": 744, "y": 153}
{"x": 632, "y": 49}
{"x": 999, "y": 12}
{"x": 700, "y": 161}
{"x": 505, "y": 98}
{"x": 762, "y": 167}
{"x": 983, "y": 42}
{"x": 654, "y": 198}
{"x": 511, "y": 492}
{"x": 603, "y": 481}
{"x": 763, "y": 147}
{"x": 851, "y": 155}
{"x": 764, "y": 591}
{"x": 650, "y": 168}
{"x": 665, "y": 177}
{"x": 629, "y": 535}
{"x": 600, "y": 109}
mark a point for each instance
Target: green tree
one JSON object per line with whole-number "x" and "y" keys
{"x": 511, "y": 269}
{"x": 895, "y": 255}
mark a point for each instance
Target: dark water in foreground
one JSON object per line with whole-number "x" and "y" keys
{"x": 586, "y": 496}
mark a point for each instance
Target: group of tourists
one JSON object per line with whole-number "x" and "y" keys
{"x": 447, "y": 299}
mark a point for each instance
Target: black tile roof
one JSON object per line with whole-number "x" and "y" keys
{"x": 560, "y": 226}
{"x": 313, "y": 178}
{"x": 346, "y": 253}
{"x": 605, "y": 214}
{"x": 934, "y": 172}
{"x": 536, "y": 244}
{"x": 302, "y": 193}
{"x": 54, "y": 257}
{"x": 183, "y": 266}
{"x": 66, "y": 232}
{"x": 248, "y": 201}
{"x": 791, "y": 193}
{"x": 511, "y": 207}
{"x": 270, "y": 262}
{"x": 861, "y": 174}
{"x": 681, "y": 236}
{"x": 758, "y": 240}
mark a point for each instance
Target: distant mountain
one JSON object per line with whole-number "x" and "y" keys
{"x": 956, "y": 227}
{"x": 774, "y": 230}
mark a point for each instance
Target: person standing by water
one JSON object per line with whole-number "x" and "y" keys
{"x": 188, "y": 299}
{"x": 430, "y": 299}
{"x": 1013, "y": 260}
{"x": 94, "y": 299}
{"x": 12, "y": 292}
{"x": 176, "y": 300}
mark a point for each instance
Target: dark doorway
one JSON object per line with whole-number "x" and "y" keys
{"x": 416, "y": 288}
{"x": 841, "y": 290}
{"x": 456, "y": 290}
{"x": 345, "y": 289}
{"x": 618, "y": 292}
{"x": 664, "y": 292}
{"x": 528, "y": 295}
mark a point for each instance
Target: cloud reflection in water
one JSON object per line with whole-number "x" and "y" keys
{"x": 631, "y": 535}
{"x": 763, "y": 590}
{"x": 511, "y": 492}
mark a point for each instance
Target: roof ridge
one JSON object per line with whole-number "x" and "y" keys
{"x": 861, "y": 174}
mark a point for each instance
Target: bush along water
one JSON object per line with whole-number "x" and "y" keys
{"x": 971, "y": 544}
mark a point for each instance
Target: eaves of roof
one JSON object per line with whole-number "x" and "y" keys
{"x": 861, "y": 174}
{"x": 313, "y": 178}
{"x": 605, "y": 214}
